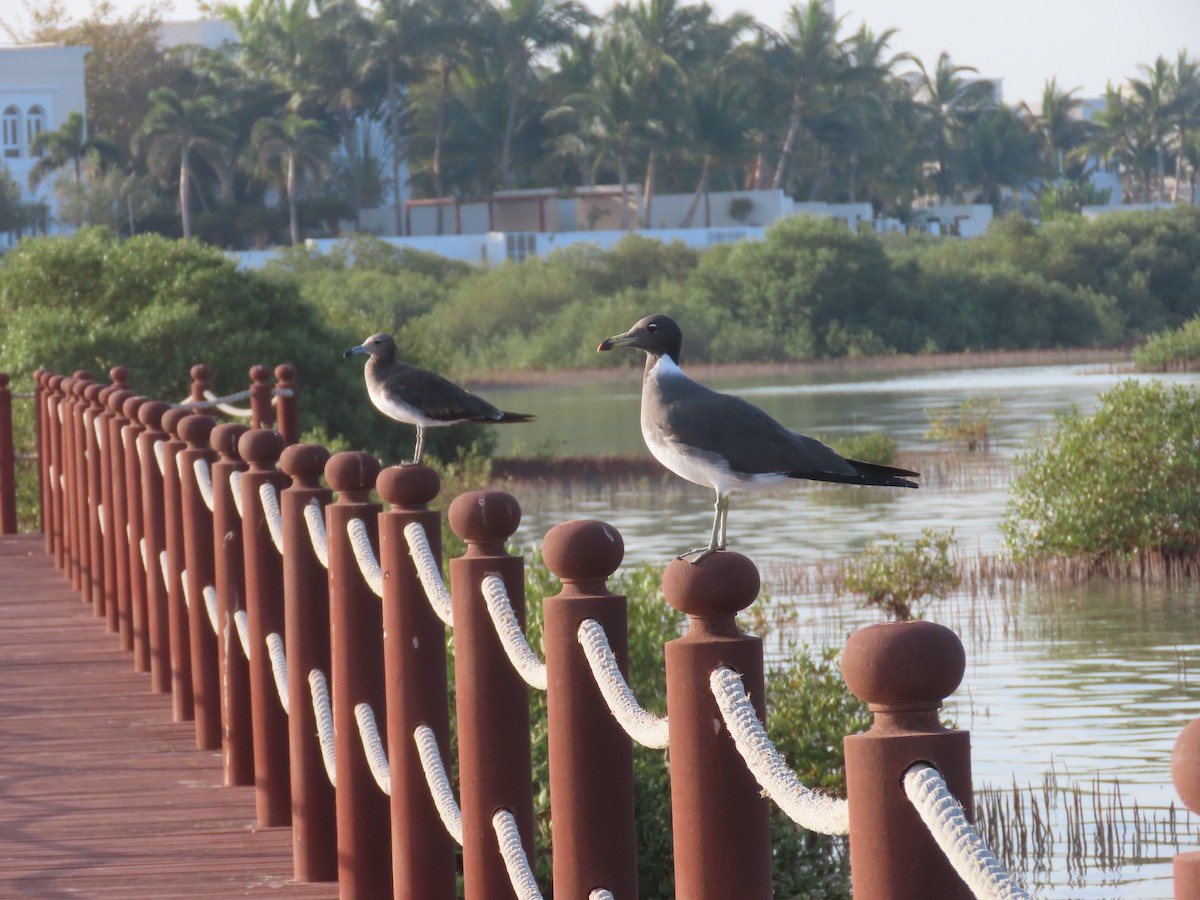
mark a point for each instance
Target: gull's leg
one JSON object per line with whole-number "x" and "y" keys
{"x": 420, "y": 445}
{"x": 723, "y": 507}
{"x": 716, "y": 541}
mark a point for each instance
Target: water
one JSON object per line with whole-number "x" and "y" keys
{"x": 1062, "y": 687}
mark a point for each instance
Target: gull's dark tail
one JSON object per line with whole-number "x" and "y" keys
{"x": 866, "y": 473}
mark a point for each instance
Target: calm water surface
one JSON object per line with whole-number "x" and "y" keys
{"x": 1084, "y": 687}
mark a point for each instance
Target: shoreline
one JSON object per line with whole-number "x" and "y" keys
{"x": 514, "y": 379}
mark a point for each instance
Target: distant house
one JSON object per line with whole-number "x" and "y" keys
{"x": 40, "y": 85}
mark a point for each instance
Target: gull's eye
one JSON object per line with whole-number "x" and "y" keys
{"x": 653, "y": 326}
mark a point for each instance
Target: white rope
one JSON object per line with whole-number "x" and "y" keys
{"x": 320, "y": 699}
{"x": 166, "y": 569}
{"x": 235, "y": 488}
{"x": 282, "y": 392}
{"x": 509, "y": 839}
{"x": 97, "y": 426}
{"x": 438, "y": 781}
{"x": 160, "y": 455}
{"x": 222, "y": 403}
{"x": 210, "y": 604}
{"x": 644, "y": 727}
{"x": 360, "y": 542}
{"x": 183, "y": 584}
{"x": 428, "y": 573}
{"x": 508, "y": 629}
{"x": 243, "y": 630}
{"x": 279, "y": 669}
{"x": 204, "y": 481}
{"x": 373, "y": 746}
{"x": 601, "y": 894}
{"x": 270, "y": 504}
{"x": 947, "y": 822}
{"x": 807, "y": 808}
{"x": 100, "y": 516}
{"x": 142, "y": 550}
{"x": 315, "y": 519}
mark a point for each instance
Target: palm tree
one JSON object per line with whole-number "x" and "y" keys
{"x": 717, "y": 132}
{"x": 1183, "y": 111}
{"x": 1151, "y": 103}
{"x": 1059, "y": 126}
{"x": 66, "y": 144}
{"x": 1000, "y": 150}
{"x": 812, "y": 56}
{"x": 522, "y": 29}
{"x": 178, "y": 131}
{"x": 947, "y": 101}
{"x": 295, "y": 148}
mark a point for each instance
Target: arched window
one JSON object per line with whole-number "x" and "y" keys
{"x": 12, "y": 132}
{"x": 35, "y": 123}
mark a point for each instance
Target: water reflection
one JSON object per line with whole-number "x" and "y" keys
{"x": 1062, "y": 687}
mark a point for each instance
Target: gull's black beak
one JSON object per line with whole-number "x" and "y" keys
{"x": 349, "y": 353}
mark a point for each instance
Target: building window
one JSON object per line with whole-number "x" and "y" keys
{"x": 35, "y": 123}
{"x": 12, "y": 132}
{"x": 519, "y": 245}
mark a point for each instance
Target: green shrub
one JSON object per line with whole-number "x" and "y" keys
{"x": 969, "y": 424}
{"x": 1171, "y": 351}
{"x": 1121, "y": 481}
{"x": 872, "y": 446}
{"x": 897, "y": 577}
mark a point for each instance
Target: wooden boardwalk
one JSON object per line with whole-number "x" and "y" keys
{"x": 101, "y": 795}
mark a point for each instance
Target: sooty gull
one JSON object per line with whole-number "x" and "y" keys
{"x": 722, "y": 441}
{"x": 417, "y": 397}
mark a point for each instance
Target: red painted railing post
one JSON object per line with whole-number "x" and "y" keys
{"x": 287, "y": 408}
{"x": 154, "y": 533}
{"x": 903, "y": 670}
{"x": 262, "y": 413}
{"x": 1185, "y": 774}
{"x": 356, "y": 633}
{"x": 139, "y": 614}
{"x": 116, "y": 515}
{"x": 67, "y": 501}
{"x": 54, "y": 466}
{"x": 237, "y": 724}
{"x": 92, "y": 423}
{"x": 264, "y": 608}
{"x": 306, "y": 641}
{"x": 73, "y": 465}
{"x": 106, "y": 520}
{"x": 40, "y": 398}
{"x": 182, "y": 702}
{"x": 414, "y": 650}
{"x": 492, "y": 700}
{"x": 82, "y": 569}
{"x": 8, "y": 461}
{"x": 591, "y": 756}
{"x": 720, "y": 819}
{"x": 198, "y": 565}
{"x": 201, "y": 382}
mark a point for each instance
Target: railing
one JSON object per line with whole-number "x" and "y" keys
{"x": 246, "y": 590}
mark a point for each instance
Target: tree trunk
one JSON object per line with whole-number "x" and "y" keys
{"x": 510, "y": 127}
{"x": 439, "y": 129}
{"x": 293, "y": 217}
{"x": 789, "y": 142}
{"x": 623, "y": 174}
{"x": 701, "y": 191}
{"x": 394, "y": 123}
{"x": 648, "y": 189}
{"x": 185, "y": 209}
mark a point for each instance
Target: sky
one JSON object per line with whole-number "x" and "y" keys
{"x": 1022, "y": 42}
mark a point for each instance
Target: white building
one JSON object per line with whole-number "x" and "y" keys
{"x": 40, "y": 85}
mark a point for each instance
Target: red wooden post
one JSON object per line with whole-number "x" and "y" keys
{"x": 306, "y": 618}
{"x": 108, "y": 547}
{"x": 92, "y": 423}
{"x": 356, "y": 633}
{"x": 182, "y": 702}
{"x": 8, "y": 462}
{"x": 903, "y": 670}
{"x": 591, "y": 756}
{"x": 154, "y": 532}
{"x": 495, "y": 770}
{"x": 72, "y": 465}
{"x": 43, "y": 454}
{"x": 237, "y": 735}
{"x": 1185, "y": 774}
{"x": 262, "y": 413}
{"x": 139, "y": 614}
{"x": 414, "y": 650}
{"x": 116, "y": 518}
{"x": 199, "y": 568}
{"x": 287, "y": 408}
{"x": 54, "y": 468}
{"x": 264, "y": 606}
{"x": 720, "y": 819}
{"x": 82, "y": 569}
{"x": 201, "y": 382}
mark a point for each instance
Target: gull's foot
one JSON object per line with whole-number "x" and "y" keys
{"x": 694, "y": 556}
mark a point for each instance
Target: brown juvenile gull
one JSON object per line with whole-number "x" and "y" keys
{"x": 723, "y": 442}
{"x": 417, "y": 397}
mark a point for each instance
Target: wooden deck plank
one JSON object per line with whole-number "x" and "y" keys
{"x": 101, "y": 794}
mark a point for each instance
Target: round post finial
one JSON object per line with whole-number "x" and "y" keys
{"x": 225, "y": 437}
{"x": 131, "y": 405}
{"x": 904, "y": 666}
{"x": 305, "y": 463}
{"x": 195, "y": 430}
{"x": 261, "y": 447}
{"x": 151, "y": 413}
{"x": 485, "y": 519}
{"x": 352, "y": 474}
{"x": 722, "y": 584}
{"x": 172, "y": 418}
{"x": 583, "y": 552}
{"x": 408, "y": 487}
{"x": 119, "y": 375}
